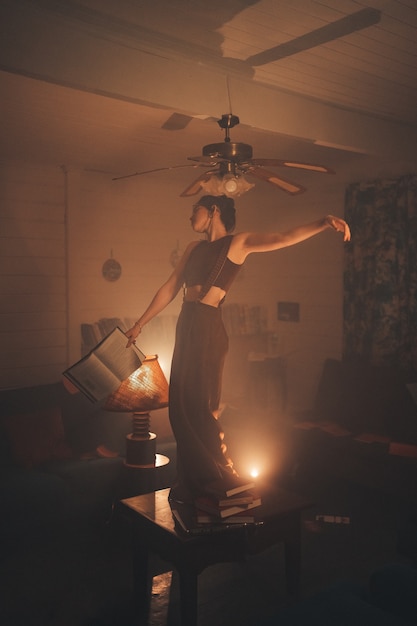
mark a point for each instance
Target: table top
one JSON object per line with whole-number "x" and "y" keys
{"x": 155, "y": 509}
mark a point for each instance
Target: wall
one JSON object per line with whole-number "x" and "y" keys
{"x": 32, "y": 274}
{"x": 58, "y": 226}
{"x": 309, "y": 274}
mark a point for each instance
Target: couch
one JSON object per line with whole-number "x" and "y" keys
{"x": 61, "y": 460}
{"x": 362, "y": 427}
{"x": 363, "y": 430}
{"x": 390, "y": 599}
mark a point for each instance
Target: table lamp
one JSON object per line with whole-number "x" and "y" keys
{"x": 145, "y": 390}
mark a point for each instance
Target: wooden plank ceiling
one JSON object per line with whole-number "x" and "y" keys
{"x": 371, "y": 71}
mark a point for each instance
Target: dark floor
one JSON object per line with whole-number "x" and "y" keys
{"x": 86, "y": 580}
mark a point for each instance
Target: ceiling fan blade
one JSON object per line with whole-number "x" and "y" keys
{"x": 345, "y": 26}
{"x": 278, "y": 181}
{"x": 296, "y": 164}
{"x": 195, "y": 186}
{"x": 206, "y": 160}
{"x": 157, "y": 169}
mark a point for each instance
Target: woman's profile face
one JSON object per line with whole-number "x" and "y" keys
{"x": 199, "y": 218}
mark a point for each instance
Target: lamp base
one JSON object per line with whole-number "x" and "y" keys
{"x": 141, "y": 451}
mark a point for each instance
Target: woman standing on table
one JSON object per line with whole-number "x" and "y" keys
{"x": 207, "y": 269}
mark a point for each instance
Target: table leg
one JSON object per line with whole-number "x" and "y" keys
{"x": 142, "y": 581}
{"x": 188, "y": 597}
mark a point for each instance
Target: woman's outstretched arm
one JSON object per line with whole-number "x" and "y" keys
{"x": 246, "y": 243}
{"x": 165, "y": 294}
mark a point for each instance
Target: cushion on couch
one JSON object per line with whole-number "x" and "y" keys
{"x": 366, "y": 398}
{"x": 37, "y": 437}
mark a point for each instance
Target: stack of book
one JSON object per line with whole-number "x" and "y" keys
{"x": 224, "y": 506}
{"x": 230, "y": 502}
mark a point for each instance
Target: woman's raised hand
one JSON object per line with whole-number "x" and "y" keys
{"x": 132, "y": 333}
{"x": 339, "y": 225}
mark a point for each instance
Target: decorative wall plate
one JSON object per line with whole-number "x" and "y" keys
{"x": 111, "y": 270}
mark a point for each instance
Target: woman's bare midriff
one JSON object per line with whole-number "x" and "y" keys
{"x": 212, "y": 298}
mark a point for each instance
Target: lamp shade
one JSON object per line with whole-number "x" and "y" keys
{"x": 145, "y": 390}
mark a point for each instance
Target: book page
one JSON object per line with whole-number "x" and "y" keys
{"x": 113, "y": 353}
{"x": 101, "y": 371}
{"x": 93, "y": 378}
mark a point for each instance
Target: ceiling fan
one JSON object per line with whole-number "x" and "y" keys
{"x": 233, "y": 161}
{"x": 230, "y": 163}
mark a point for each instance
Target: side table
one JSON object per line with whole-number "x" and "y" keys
{"x": 155, "y": 532}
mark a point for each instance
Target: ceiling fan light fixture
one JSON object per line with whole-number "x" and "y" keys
{"x": 232, "y": 160}
{"x": 229, "y": 185}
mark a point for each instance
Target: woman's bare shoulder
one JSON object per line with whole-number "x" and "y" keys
{"x": 192, "y": 244}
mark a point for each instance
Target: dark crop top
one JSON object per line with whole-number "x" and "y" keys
{"x": 201, "y": 261}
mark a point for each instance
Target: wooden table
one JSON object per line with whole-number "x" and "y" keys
{"x": 155, "y": 532}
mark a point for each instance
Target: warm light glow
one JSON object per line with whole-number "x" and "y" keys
{"x": 145, "y": 390}
{"x": 165, "y": 364}
{"x": 254, "y": 472}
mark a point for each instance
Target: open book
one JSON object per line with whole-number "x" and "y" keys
{"x": 101, "y": 371}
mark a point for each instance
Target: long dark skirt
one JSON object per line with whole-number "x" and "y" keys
{"x": 197, "y": 366}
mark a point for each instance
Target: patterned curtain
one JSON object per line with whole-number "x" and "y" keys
{"x": 380, "y": 302}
